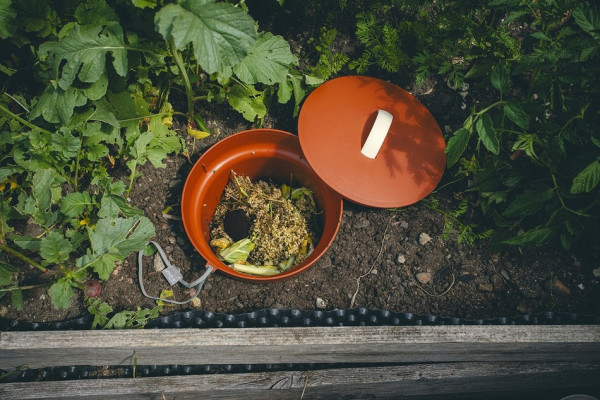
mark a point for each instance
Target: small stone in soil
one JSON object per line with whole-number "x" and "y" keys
{"x": 555, "y": 286}
{"x": 498, "y": 282}
{"x": 403, "y": 224}
{"x": 424, "y": 239}
{"x": 424, "y": 277}
{"x": 485, "y": 287}
{"x": 401, "y": 259}
{"x": 320, "y": 303}
{"x": 159, "y": 264}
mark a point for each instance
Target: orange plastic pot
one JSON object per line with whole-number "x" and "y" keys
{"x": 267, "y": 154}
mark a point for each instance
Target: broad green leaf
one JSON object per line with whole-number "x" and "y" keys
{"x": 6, "y": 274}
{"x": 16, "y": 298}
{"x": 26, "y": 242}
{"x": 42, "y": 188}
{"x": 457, "y": 145}
{"x": 97, "y": 89}
{"x": 248, "y": 101}
{"x": 95, "y": 12}
{"x": 528, "y": 203}
{"x": 61, "y": 293}
{"x": 268, "y": 61}
{"x": 587, "y": 17}
{"x": 487, "y": 134}
{"x": 54, "y": 248}
{"x": 537, "y": 237}
{"x": 100, "y": 311}
{"x": 221, "y": 34}
{"x": 74, "y": 204}
{"x": 66, "y": 144}
{"x": 120, "y": 236}
{"x": 587, "y": 179}
{"x": 516, "y": 114}
{"x": 7, "y": 18}
{"x": 500, "y": 78}
{"x": 111, "y": 204}
{"x": 56, "y": 105}
{"x": 83, "y": 53}
{"x": 5, "y": 172}
{"x": 37, "y": 16}
{"x": 105, "y": 265}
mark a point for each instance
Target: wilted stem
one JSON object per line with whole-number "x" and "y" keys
{"x": 23, "y": 257}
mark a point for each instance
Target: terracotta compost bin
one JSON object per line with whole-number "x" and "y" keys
{"x": 359, "y": 138}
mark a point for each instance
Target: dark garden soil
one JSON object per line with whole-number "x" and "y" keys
{"x": 381, "y": 259}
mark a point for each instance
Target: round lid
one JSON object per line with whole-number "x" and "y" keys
{"x": 371, "y": 141}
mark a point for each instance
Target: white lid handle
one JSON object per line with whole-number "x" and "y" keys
{"x": 377, "y": 135}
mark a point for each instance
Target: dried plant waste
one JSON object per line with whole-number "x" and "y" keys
{"x": 261, "y": 228}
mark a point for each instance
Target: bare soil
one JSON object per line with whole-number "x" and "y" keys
{"x": 380, "y": 259}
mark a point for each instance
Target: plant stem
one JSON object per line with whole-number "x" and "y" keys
{"x": 131, "y": 178}
{"x": 186, "y": 79}
{"x": 23, "y": 258}
{"x": 10, "y": 289}
{"x": 23, "y": 121}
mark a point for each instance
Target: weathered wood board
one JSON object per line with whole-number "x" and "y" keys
{"x": 384, "y": 344}
{"x": 422, "y": 361}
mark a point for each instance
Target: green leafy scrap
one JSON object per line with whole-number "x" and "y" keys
{"x": 83, "y": 52}
{"x": 221, "y": 34}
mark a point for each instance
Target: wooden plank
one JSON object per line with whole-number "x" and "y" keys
{"x": 301, "y": 345}
{"x": 463, "y": 379}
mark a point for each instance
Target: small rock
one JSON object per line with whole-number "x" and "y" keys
{"x": 596, "y": 272}
{"x": 403, "y": 224}
{"x": 159, "y": 264}
{"x": 374, "y": 271}
{"x": 505, "y": 274}
{"x": 401, "y": 259}
{"x": 581, "y": 287}
{"x": 485, "y": 287}
{"x": 423, "y": 277}
{"x": 361, "y": 223}
{"x": 524, "y": 307}
{"x": 555, "y": 286}
{"x": 498, "y": 282}
{"x": 424, "y": 239}
{"x": 196, "y": 303}
{"x": 172, "y": 240}
{"x": 180, "y": 241}
{"x": 320, "y": 303}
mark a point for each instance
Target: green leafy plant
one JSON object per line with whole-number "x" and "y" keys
{"x": 466, "y": 233}
{"x": 538, "y": 171}
{"x": 87, "y": 92}
{"x": 105, "y": 318}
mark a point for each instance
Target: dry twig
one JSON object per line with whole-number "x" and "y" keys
{"x": 372, "y": 265}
